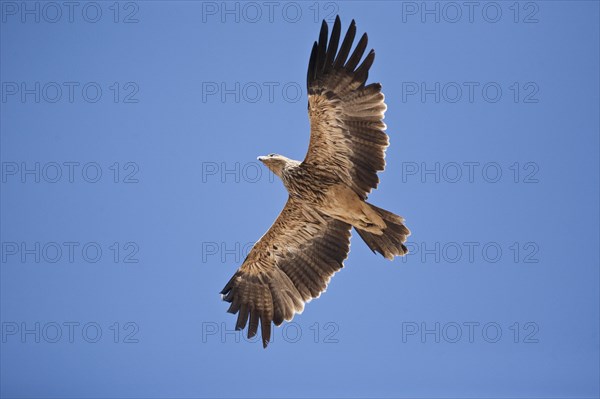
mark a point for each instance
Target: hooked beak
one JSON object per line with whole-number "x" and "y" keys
{"x": 261, "y": 159}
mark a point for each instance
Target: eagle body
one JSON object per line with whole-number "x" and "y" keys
{"x": 308, "y": 183}
{"x": 294, "y": 260}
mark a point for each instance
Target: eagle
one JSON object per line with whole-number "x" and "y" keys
{"x": 294, "y": 260}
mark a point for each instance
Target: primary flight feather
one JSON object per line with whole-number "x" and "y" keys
{"x": 310, "y": 239}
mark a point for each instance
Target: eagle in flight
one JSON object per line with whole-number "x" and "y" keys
{"x": 310, "y": 239}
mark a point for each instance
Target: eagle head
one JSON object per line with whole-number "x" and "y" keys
{"x": 275, "y": 162}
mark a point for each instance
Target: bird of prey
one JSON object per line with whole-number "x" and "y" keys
{"x": 307, "y": 244}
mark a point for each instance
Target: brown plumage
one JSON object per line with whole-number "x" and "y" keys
{"x": 294, "y": 261}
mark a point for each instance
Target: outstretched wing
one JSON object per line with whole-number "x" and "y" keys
{"x": 291, "y": 264}
{"x": 346, "y": 117}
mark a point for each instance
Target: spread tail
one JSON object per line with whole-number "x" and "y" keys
{"x": 390, "y": 242}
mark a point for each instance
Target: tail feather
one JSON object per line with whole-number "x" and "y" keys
{"x": 391, "y": 242}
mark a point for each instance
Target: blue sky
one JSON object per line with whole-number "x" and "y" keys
{"x": 130, "y": 193}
